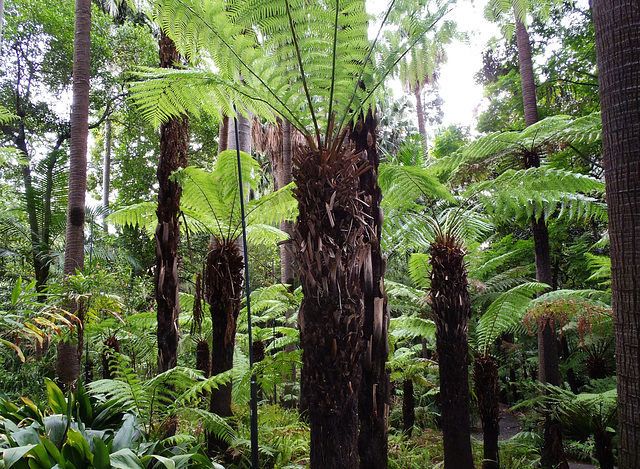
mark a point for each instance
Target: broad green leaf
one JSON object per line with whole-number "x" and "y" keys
{"x": 57, "y": 401}
{"x": 125, "y": 459}
{"x": 101, "y": 454}
{"x": 15, "y": 294}
{"x": 13, "y": 455}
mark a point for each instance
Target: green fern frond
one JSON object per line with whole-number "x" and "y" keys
{"x": 6, "y": 116}
{"x": 602, "y": 266}
{"x": 420, "y": 270}
{"x": 140, "y": 215}
{"x": 411, "y": 328}
{"x": 402, "y": 186}
{"x": 504, "y": 313}
{"x": 595, "y": 297}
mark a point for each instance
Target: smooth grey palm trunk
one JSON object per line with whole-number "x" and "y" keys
{"x": 617, "y": 29}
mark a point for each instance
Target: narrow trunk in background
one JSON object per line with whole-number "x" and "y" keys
{"x": 106, "y": 173}
{"x": 548, "y": 358}
{"x": 374, "y": 400}
{"x": 422, "y": 127}
{"x": 285, "y": 177}
{"x": 451, "y": 306}
{"x": 487, "y": 388}
{"x": 223, "y": 142}
{"x": 174, "y": 137}
{"x": 617, "y": 28}
{"x": 330, "y": 247}
{"x": 74, "y": 240}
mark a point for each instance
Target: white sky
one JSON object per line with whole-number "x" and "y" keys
{"x": 457, "y": 88}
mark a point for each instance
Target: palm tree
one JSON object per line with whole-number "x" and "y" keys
{"x": 616, "y": 26}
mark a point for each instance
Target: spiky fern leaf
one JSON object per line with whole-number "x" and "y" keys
{"x": 411, "y": 328}
{"x": 275, "y": 53}
{"x": 404, "y": 185}
{"x": 595, "y": 297}
{"x": 420, "y": 270}
{"x": 504, "y": 313}
{"x": 535, "y": 192}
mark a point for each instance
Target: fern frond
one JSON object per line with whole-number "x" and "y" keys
{"x": 411, "y": 328}
{"x": 140, "y": 215}
{"x": 420, "y": 270}
{"x": 504, "y": 313}
{"x": 595, "y": 297}
{"x": 402, "y": 186}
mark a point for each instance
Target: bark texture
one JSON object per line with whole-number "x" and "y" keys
{"x": 408, "y": 407}
{"x": 422, "y": 127}
{"x": 74, "y": 240}
{"x": 330, "y": 249}
{"x": 374, "y": 396}
{"x": 106, "y": 173}
{"x": 487, "y": 387}
{"x": 617, "y": 28}
{"x": 174, "y": 138}
{"x": 451, "y": 306}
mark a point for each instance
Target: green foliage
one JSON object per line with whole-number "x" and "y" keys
{"x": 504, "y": 313}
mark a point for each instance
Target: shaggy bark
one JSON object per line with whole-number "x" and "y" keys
{"x": 451, "y": 306}
{"x": 330, "y": 251}
{"x": 374, "y": 396}
{"x": 408, "y": 407}
{"x": 174, "y": 137}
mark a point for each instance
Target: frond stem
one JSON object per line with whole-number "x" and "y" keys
{"x": 333, "y": 74}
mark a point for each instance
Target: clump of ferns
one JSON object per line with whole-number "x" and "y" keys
{"x": 169, "y": 395}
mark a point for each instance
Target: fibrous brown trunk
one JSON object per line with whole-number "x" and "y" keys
{"x": 617, "y": 29}
{"x": 330, "y": 251}
{"x": 223, "y": 289}
{"x": 451, "y": 306}
{"x": 487, "y": 387}
{"x": 174, "y": 137}
{"x": 374, "y": 396}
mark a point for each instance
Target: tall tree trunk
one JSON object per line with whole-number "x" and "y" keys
{"x": 244, "y": 134}
{"x": 552, "y": 452}
{"x": 74, "y": 241}
{"x": 106, "y": 173}
{"x": 422, "y": 127}
{"x": 487, "y": 387}
{"x": 330, "y": 249}
{"x": 174, "y": 137}
{"x": 617, "y": 28}
{"x": 452, "y": 308}
{"x": 374, "y": 397}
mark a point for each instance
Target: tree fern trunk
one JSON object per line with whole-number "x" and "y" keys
{"x": 106, "y": 173}
{"x": 330, "y": 249}
{"x": 174, "y": 136}
{"x": 422, "y": 128}
{"x": 452, "y": 308}
{"x": 408, "y": 407}
{"x": 374, "y": 392}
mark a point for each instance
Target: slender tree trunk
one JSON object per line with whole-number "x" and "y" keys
{"x": 487, "y": 387}
{"x": 452, "y": 308}
{"x": 422, "y": 127}
{"x": 330, "y": 250}
{"x": 285, "y": 177}
{"x": 174, "y": 137}
{"x": 74, "y": 241}
{"x": 244, "y": 134}
{"x": 552, "y": 453}
{"x": 224, "y": 134}
{"x": 106, "y": 173}
{"x": 374, "y": 397}
{"x": 617, "y": 28}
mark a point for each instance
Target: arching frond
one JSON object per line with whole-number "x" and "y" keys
{"x": 411, "y": 328}
{"x": 420, "y": 270}
{"x": 505, "y": 313}
{"x": 531, "y": 193}
{"x": 402, "y": 186}
{"x": 595, "y": 297}
{"x": 142, "y": 215}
